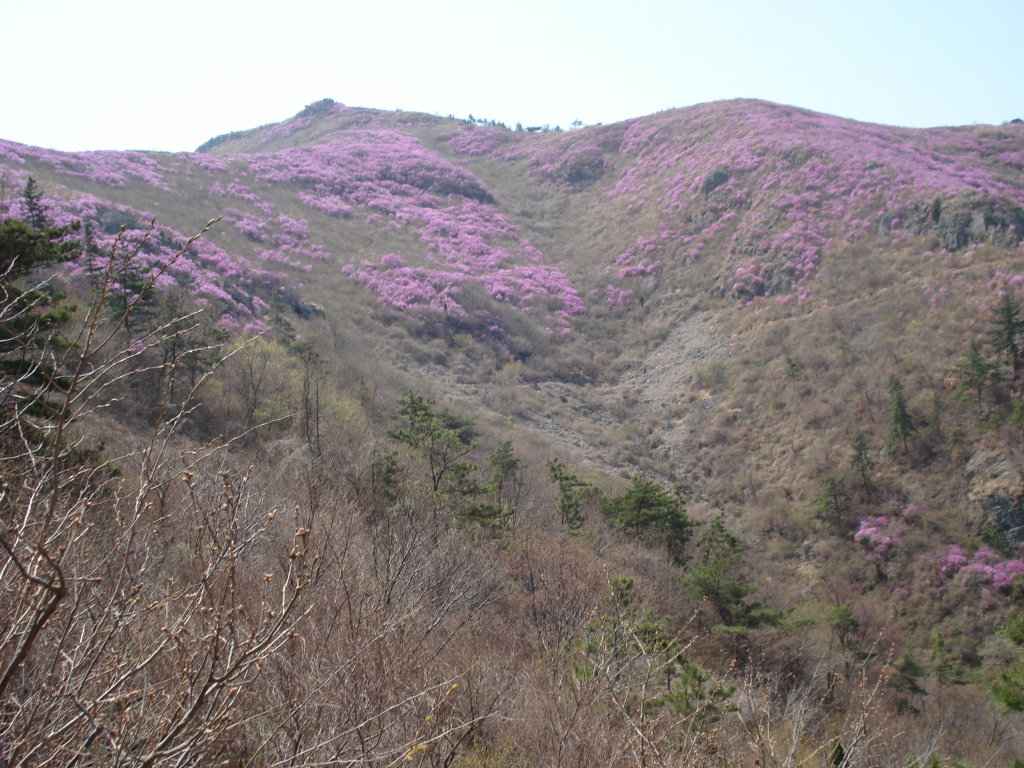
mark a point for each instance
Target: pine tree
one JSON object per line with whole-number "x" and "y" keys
{"x": 92, "y": 256}
{"x": 572, "y": 492}
{"x": 1004, "y": 338}
{"x": 861, "y": 461}
{"x": 647, "y": 510}
{"x": 30, "y": 321}
{"x": 833, "y": 501}
{"x": 132, "y": 295}
{"x": 23, "y": 249}
{"x": 1016, "y": 418}
{"x": 498, "y": 497}
{"x": 905, "y": 678}
{"x": 902, "y": 425}
{"x": 845, "y": 625}
{"x": 719, "y": 576}
{"x": 638, "y": 654}
{"x": 34, "y": 213}
{"x": 505, "y": 484}
{"x": 441, "y": 439}
{"x": 943, "y": 661}
{"x": 975, "y": 373}
{"x": 1008, "y": 688}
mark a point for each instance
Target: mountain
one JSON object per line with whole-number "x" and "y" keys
{"x": 768, "y": 310}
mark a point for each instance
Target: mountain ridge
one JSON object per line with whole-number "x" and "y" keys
{"x": 776, "y": 247}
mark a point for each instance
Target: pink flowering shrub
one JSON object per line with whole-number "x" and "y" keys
{"x": 208, "y": 162}
{"x": 394, "y": 179}
{"x": 769, "y": 188}
{"x": 332, "y": 205}
{"x": 251, "y": 226}
{"x": 617, "y": 297}
{"x": 985, "y": 564}
{"x": 749, "y": 280}
{"x": 475, "y": 141}
{"x": 988, "y": 565}
{"x": 108, "y": 168}
{"x": 296, "y": 228}
{"x": 952, "y": 561}
{"x": 794, "y": 184}
{"x": 211, "y": 274}
{"x": 878, "y": 535}
{"x": 637, "y": 260}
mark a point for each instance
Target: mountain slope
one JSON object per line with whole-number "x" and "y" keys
{"x": 569, "y": 256}
{"x": 761, "y": 192}
{"x": 722, "y": 297}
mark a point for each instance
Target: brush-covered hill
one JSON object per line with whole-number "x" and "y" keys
{"x": 806, "y": 326}
{"x": 567, "y": 256}
{"x": 433, "y": 214}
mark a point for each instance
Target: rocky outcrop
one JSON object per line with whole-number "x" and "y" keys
{"x": 960, "y": 222}
{"x": 995, "y": 492}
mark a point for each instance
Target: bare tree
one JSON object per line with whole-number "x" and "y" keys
{"x": 131, "y": 632}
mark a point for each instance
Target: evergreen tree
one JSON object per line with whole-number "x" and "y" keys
{"x": 1008, "y": 688}
{"x": 902, "y": 422}
{"x": 132, "y": 300}
{"x": 505, "y": 484}
{"x": 443, "y": 447}
{"x": 975, "y": 373}
{"x": 572, "y": 492}
{"x": 861, "y": 461}
{"x": 34, "y": 213}
{"x": 1016, "y": 418}
{"x": 498, "y": 497}
{"x": 845, "y": 625}
{"x": 647, "y": 509}
{"x": 905, "y": 679}
{"x": 943, "y": 661}
{"x": 1005, "y": 337}
{"x": 443, "y": 440}
{"x": 833, "y": 501}
{"x": 92, "y": 256}
{"x": 23, "y": 249}
{"x": 719, "y": 577}
{"x": 640, "y": 657}
{"x": 30, "y": 320}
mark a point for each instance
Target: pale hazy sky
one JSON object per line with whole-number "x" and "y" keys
{"x": 113, "y": 74}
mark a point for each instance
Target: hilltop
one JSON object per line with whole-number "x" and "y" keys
{"x": 737, "y": 301}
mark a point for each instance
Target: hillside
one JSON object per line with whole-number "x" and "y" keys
{"x": 765, "y": 313}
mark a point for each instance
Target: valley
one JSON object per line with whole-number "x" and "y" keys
{"x": 690, "y": 440}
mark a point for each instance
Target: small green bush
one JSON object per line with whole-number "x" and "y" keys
{"x": 711, "y": 374}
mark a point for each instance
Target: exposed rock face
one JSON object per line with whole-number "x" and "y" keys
{"x": 995, "y": 491}
{"x": 960, "y": 222}
{"x": 953, "y": 229}
{"x": 713, "y": 181}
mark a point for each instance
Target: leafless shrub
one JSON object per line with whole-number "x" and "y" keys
{"x": 131, "y": 631}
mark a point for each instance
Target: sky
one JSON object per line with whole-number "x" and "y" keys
{"x": 112, "y": 74}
